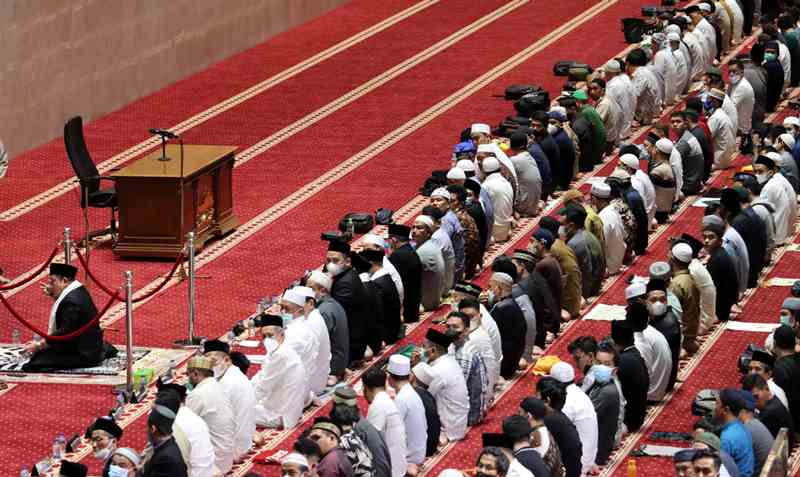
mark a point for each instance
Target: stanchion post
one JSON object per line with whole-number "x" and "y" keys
{"x": 67, "y": 246}
{"x": 193, "y": 340}
{"x": 129, "y": 391}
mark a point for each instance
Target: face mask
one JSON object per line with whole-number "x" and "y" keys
{"x": 189, "y": 385}
{"x": 657, "y": 309}
{"x": 552, "y": 129}
{"x": 602, "y": 373}
{"x": 762, "y": 178}
{"x": 735, "y": 78}
{"x": 219, "y": 371}
{"x": 423, "y": 355}
{"x": 103, "y": 454}
{"x": 767, "y": 141}
{"x": 454, "y": 335}
{"x": 786, "y": 320}
{"x": 287, "y": 318}
{"x": 770, "y": 57}
{"x": 117, "y": 471}
{"x": 271, "y": 344}
{"x": 562, "y": 231}
{"x": 490, "y": 296}
{"x": 334, "y": 268}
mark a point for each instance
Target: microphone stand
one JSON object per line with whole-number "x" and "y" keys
{"x": 163, "y": 157}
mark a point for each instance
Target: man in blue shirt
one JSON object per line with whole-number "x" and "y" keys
{"x": 735, "y": 438}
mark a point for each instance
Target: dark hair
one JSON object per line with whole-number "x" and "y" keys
{"x": 459, "y": 191}
{"x": 469, "y": 302}
{"x": 599, "y": 82}
{"x": 707, "y": 454}
{"x": 606, "y": 345}
{"x": 754, "y": 381}
{"x": 432, "y": 212}
{"x": 503, "y": 264}
{"x": 500, "y": 458}
{"x": 540, "y": 117}
{"x": 462, "y": 316}
{"x": 374, "y": 378}
{"x": 550, "y": 224}
{"x": 517, "y": 428}
{"x": 307, "y": 447}
{"x": 678, "y": 114}
{"x": 344, "y": 415}
{"x": 568, "y": 103}
{"x": 587, "y": 344}
{"x": 551, "y": 392}
{"x": 736, "y": 62}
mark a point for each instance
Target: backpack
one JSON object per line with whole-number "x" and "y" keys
{"x": 362, "y": 223}
{"x": 516, "y": 91}
{"x": 532, "y": 102}
{"x": 437, "y": 179}
{"x": 633, "y": 29}
{"x": 704, "y": 403}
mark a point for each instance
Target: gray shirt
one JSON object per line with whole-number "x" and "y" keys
{"x": 762, "y": 442}
{"x": 381, "y": 461}
{"x": 336, "y": 320}
{"x": 433, "y": 274}
{"x": 530, "y": 184}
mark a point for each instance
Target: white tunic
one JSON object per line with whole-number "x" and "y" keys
{"x": 208, "y": 400}
{"x": 615, "y": 240}
{"x": 620, "y": 89}
{"x": 243, "y": 403}
{"x": 723, "y": 136}
{"x": 698, "y": 56}
{"x": 667, "y": 70}
{"x": 580, "y": 410}
{"x": 515, "y": 469}
{"x": 304, "y": 342}
{"x": 786, "y": 61}
{"x": 710, "y": 36}
{"x": 452, "y": 400}
{"x": 676, "y": 161}
{"x": 730, "y": 109}
{"x": 644, "y": 186}
{"x": 708, "y": 293}
{"x": 280, "y": 385}
{"x": 738, "y": 19}
{"x": 682, "y": 67}
{"x": 480, "y": 339}
{"x": 654, "y": 348}
{"x": 502, "y": 195}
{"x": 200, "y": 458}
{"x": 778, "y": 192}
{"x": 319, "y": 379}
{"x": 384, "y": 415}
{"x": 412, "y": 411}
{"x": 744, "y": 98}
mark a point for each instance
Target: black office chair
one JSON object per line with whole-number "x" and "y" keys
{"x": 89, "y": 178}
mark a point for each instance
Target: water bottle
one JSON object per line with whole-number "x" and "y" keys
{"x": 16, "y": 337}
{"x": 632, "y": 471}
{"x": 37, "y": 339}
{"x": 350, "y": 227}
{"x": 24, "y": 472}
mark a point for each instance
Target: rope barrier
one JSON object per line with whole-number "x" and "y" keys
{"x": 32, "y": 275}
{"x": 91, "y": 276}
{"x": 68, "y": 336}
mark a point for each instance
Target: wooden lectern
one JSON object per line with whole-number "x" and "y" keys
{"x": 154, "y": 216}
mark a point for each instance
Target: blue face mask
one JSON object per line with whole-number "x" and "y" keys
{"x": 602, "y": 373}
{"x": 786, "y": 320}
{"x": 287, "y": 318}
{"x": 770, "y": 57}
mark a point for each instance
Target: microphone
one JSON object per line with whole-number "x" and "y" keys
{"x": 164, "y": 133}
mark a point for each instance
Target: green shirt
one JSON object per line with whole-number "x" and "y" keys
{"x": 598, "y": 132}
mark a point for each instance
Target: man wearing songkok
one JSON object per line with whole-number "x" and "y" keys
{"x": 632, "y": 373}
{"x": 335, "y": 320}
{"x": 440, "y": 199}
{"x": 538, "y": 289}
{"x": 447, "y": 386}
{"x": 502, "y": 196}
{"x": 472, "y": 366}
{"x": 723, "y": 132}
{"x": 664, "y": 320}
{"x": 620, "y": 88}
{"x": 568, "y": 261}
{"x": 445, "y": 245}
{"x": 691, "y": 154}
{"x": 374, "y": 242}
{"x": 613, "y": 229}
{"x": 208, "y": 400}
{"x": 778, "y": 192}
{"x": 189, "y": 430}
{"x": 422, "y": 377}
{"x": 71, "y": 311}
{"x": 771, "y": 412}
{"x": 588, "y": 249}
{"x": 733, "y": 243}
{"x": 580, "y": 410}
{"x": 346, "y": 413}
{"x": 281, "y": 383}
{"x": 529, "y": 180}
{"x": 750, "y": 227}
{"x": 568, "y": 145}
{"x": 473, "y": 222}
{"x": 609, "y": 111}
{"x": 546, "y": 266}
{"x": 124, "y": 462}
{"x": 665, "y": 68}
{"x": 408, "y": 265}
{"x": 640, "y": 181}
{"x": 787, "y": 368}
{"x": 239, "y": 392}
{"x": 645, "y": 87}
{"x": 385, "y": 416}
{"x": 662, "y": 176}
{"x": 349, "y": 291}
{"x": 653, "y": 347}
{"x": 105, "y": 434}
{"x": 387, "y": 295}
{"x": 295, "y": 465}
{"x": 735, "y": 439}
{"x": 411, "y": 409}
{"x": 482, "y": 342}
{"x": 166, "y": 459}
{"x": 334, "y": 462}
{"x": 762, "y": 363}
{"x": 433, "y": 276}
{"x": 684, "y": 287}
{"x": 510, "y": 321}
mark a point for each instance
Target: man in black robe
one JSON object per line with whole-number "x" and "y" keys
{"x": 786, "y": 373}
{"x": 721, "y": 267}
{"x": 349, "y": 291}
{"x": 408, "y": 265}
{"x": 662, "y": 317}
{"x": 387, "y": 293}
{"x": 72, "y": 311}
{"x": 548, "y": 312}
{"x": 510, "y": 322}
{"x": 634, "y": 378}
{"x": 750, "y": 227}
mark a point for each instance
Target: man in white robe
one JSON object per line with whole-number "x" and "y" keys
{"x": 190, "y": 432}
{"x": 301, "y": 338}
{"x": 742, "y": 95}
{"x": 384, "y": 415}
{"x": 620, "y": 89}
{"x": 481, "y": 134}
{"x": 580, "y": 411}
{"x": 482, "y": 341}
{"x": 680, "y": 55}
{"x": 776, "y": 190}
{"x": 666, "y": 68}
{"x": 412, "y": 411}
{"x": 502, "y": 196}
{"x": 698, "y": 55}
{"x": 281, "y": 383}
{"x": 722, "y": 130}
{"x": 641, "y": 182}
{"x": 615, "y": 242}
{"x": 313, "y": 318}
{"x": 705, "y": 28}
{"x": 208, "y": 400}
{"x": 239, "y": 392}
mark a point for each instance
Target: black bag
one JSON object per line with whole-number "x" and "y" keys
{"x": 669, "y": 3}
{"x": 705, "y": 402}
{"x": 436, "y": 180}
{"x": 516, "y": 91}
{"x": 532, "y": 102}
{"x": 561, "y": 68}
{"x": 633, "y": 28}
{"x": 383, "y": 216}
{"x": 362, "y": 223}
{"x": 331, "y": 235}
{"x": 579, "y": 72}
{"x": 511, "y": 124}
{"x": 649, "y": 11}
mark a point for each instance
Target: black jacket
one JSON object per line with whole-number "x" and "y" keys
{"x": 432, "y": 418}
{"x": 787, "y": 375}
{"x": 390, "y": 304}
{"x": 775, "y": 416}
{"x": 548, "y": 313}
{"x": 512, "y": 326}
{"x": 568, "y": 440}
{"x": 166, "y": 461}
{"x": 723, "y": 273}
{"x": 634, "y": 381}
{"x": 408, "y": 265}
{"x": 754, "y": 233}
{"x": 75, "y": 311}
{"x": 349, "y": 291}
{"x": 669, "y": 326}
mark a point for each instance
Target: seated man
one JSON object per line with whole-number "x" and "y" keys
{"x": 73, "y": 309}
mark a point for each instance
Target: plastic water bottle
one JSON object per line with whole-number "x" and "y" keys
{"x": 16, "y": 337}
{"x": 25, "y": 472}
{"x": 59, "y": 445}
{"x": 632, "y": 471}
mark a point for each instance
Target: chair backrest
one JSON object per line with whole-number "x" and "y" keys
{"x": 79, "y": 157}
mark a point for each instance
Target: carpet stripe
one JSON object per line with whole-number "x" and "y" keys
{"x": 214, "y": 111}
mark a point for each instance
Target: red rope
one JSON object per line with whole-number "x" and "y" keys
{"x": 33, "y": 275}
{"x": 107, "y": 290}
{"x": 161, "y": 285}
{"x": 66, "y": 337}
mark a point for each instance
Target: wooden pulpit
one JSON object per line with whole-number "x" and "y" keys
{"x": 161, "y": 201}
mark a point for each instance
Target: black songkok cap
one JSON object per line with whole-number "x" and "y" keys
{"x": 763, "y": 356}
{"x": 400, "y": 231}
{"x": 272, "y": 320}
{"x": 107, "y": 425}
{"x": 496, "y": 439}
{"x": 216, "y": 345}
{"x": 63, "y": 270}
{"x": 437, "y": 337}
{"x": 468, "y": 288}
{"x": 339, "y": 246}
{"x": 73, "y": 469}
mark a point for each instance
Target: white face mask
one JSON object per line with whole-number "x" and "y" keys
{"x": 562, "y": 231}
{"x": 552, "y": 129}
{"x": 735, "y": 78}
{"x": 117, "y": 471}
{"x": 219, "y": 370}
{"x": 270, "y": 344}
{"x": 762, "y": 178}
{"x": 490, "y": 296}
{"x": 657, "y": 309}
{"x": 334, "y": 269}
{"x": 103, "y": 454}
{"x": 767, "y": 141}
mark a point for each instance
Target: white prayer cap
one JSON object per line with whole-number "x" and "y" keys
{"x": 457, "y": 173}
{"x": 787, "y": 139}
{"x": 601, "y": 190}
{"x": 465, "y": 165}
{"x": 559, "y": 109}
{"x": 630, "y": 161}
{"x": 424, "y": 373}
{"x": 673, "y": 36}
{"x": 440, "y": 192}
{"x": 485, "y": 148}
{"x": 672, "y": 28}
{"x": 664, "y": 145}
{"x": 503, "y": 278}
{"x": 480, "y": 128}
{"x": 294, "y": 296}
{"x": 129, "y": 454}
{"x": 791, "y": 121}
{"x": 612, "y": 66}
{"x": 426, "y": 220}
{"x": 775, "y": 156}
{"x": 399, "y": 365}
{"x": 563, "y": 372}
{"x": 373, "y": 239}
{"x": 321, "y": 278}
{"x": 682, "y": 252}
{"x": 490, "y": 164}
{"x": 620, "y": 174}
{"x": 451, "y": 473}
{"x": 704, "y": 6}
{"x": 635, "y": 290}
{"x": 307, "y": 292}
{"x": 295, "y": 458}
{"x": 661, "y": 270}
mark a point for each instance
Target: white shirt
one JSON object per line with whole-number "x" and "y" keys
{"x": 304, "y": 342}
{"x": 452, "y": 400}
{"x": 786, "y": 61}
{"x": 412, "y": 411}
{"x": 502, "y": 195}
{"x": 657, "y": 356}
{"x": 644, "y": 186}
{"x": 676, "y": 161}
{"x": 620, "y": 89}
{"x": 708, "y": 292}
{"x": 515, "y": 469}
{"x": 316, "y": 323}
{"x": 667, "y": 71}
{"x": 615, "y": 240}
{"x": 723, "y": 135}
{"x": 580, "y": 410}
{"x": 778, "y": 192}
{"x": 51, "y": 325}
{"x": 710, "y": 36}
{"x": 398, "y": 282}
{"x": 208, "y": 400}
{"x": 384, "y": 415}
{"x": 479, "y": 338}
{"x": 280, "y": 385}
{"x": 243, "y": 403}
{"x": 744, "y": 98}
{"x": 698, "y": 57}
{"x": 681, "y": 66}
{"x": 778, "y": 392}
{"x": 201, "y": 453}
